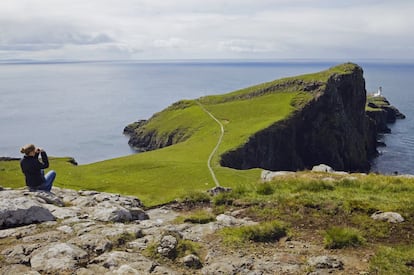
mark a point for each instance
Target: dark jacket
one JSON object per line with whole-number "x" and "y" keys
{"x": 32, "y": 169}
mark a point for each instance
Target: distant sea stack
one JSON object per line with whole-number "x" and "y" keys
{"x": 337, "y": 127}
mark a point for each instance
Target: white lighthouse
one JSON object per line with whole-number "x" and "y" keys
{"x": 379, "y": 92}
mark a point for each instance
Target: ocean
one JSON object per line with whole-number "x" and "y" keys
{"x": 79, "y": 109}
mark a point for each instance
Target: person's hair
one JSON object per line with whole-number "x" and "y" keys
{"x": 27, "y": 149}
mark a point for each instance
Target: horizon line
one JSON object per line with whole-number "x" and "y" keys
{"x": 207, "y": 60}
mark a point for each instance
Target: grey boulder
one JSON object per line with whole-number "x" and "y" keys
{"x": 22, "y": 211}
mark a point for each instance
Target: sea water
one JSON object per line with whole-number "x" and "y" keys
{"x": 79, "y": 109}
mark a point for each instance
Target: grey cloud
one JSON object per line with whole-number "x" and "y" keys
{"x": 39, "y": 35}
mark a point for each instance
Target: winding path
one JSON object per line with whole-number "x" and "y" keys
{"x": 213, "y": 175}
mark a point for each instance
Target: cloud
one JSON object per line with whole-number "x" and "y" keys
{"x": 210, "y": 29}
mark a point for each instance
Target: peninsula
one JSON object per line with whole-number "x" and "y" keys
{"x": 289, "y": 124}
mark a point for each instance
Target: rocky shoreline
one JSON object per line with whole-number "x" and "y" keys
{"x": 89, "y": 232}
{"x": 380, "y": 110}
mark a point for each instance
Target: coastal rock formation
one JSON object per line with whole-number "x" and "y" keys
{"x": 333, "y": 129}
{"x": 143, "y": 140}
{"x": 382, "y": 113}
{"x": 336, "y": 127}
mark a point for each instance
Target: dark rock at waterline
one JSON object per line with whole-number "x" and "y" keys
{"x": 8, "y": 159}
{"x": 143, "y": 140}
{"x": 382, "y": 113}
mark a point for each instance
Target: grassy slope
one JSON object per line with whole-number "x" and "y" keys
{"x": 162, "y": 175}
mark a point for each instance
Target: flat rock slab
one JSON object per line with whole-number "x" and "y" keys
{"x": 22, "y": 211}
{"x": 58, "y": 257}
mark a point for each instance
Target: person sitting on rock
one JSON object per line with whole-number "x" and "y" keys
{"x": 32, "y": 168}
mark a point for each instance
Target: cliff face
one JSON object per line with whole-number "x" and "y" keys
{"x": 332, "y": 129}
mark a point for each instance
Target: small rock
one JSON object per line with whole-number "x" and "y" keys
{"x": 63, "y": 212}
{"x": 270, "y": 175}
{"x": 322, "y": 168}
{"x": 139, "y": 244}
{"x": 226, "y": 220}
{"x": 88, "y": 192}
{"x": 192, "y": 261}
{"x": 19, "y": 254}
{"x": 391, "y": 217}
{"x": 218, "y": 190}
{"x": 167, "y": 246}
{"x": 50, "y": 198}
{"x": 138, "y": 214}
{"x": 325, "y": 262}
{"x": 108, "y": 212}
{"x": 65, "y": 229}
{"x": 97, "y": 244}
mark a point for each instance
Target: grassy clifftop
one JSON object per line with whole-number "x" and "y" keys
{"x": 162, "y": 175}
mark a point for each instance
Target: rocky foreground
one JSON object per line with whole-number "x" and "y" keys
{"x": 88, "y": 232}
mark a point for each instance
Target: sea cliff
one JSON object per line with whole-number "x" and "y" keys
{"x": 337, "y": 126}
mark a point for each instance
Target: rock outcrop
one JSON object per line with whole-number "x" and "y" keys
{"x": 77, "y": 241}
{"x": 143, "y": 140}
{"x": 382, "y": 113}
{"x": 22, "y": 211}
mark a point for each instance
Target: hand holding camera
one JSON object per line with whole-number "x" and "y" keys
{"x": 39, "y": 150}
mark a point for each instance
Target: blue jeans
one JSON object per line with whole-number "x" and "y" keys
{"x": 47, "y": 185}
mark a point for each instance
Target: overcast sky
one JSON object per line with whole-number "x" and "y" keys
{"x": 181, "y": 29}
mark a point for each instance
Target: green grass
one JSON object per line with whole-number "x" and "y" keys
{"x": 195, "y": 197}
{"x": 265, "y": 189}
{"x": 393, "y": 261}
{"x": 340, "y": 237}
{"x": 198, "y": 216}
{"x": 264, "y": 232}
{"x": 379, "y": 101}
